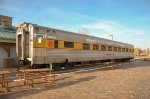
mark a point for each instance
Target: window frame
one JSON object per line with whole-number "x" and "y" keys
{"x": 103, "y": 46}
{"x": 109, "y": 46}
{"x": 95, "y": 47}
{"x": 115, "y": 49}
{"x": 119, "y": 49}
{"x": 37, "y": 42}
{"x": 56, "y": 43}
{"x": 67, "y": 45}
{"x": 86, "y": 46}
{"x": 123, "y": 49}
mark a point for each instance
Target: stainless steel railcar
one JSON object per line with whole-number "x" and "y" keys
{"x": 43, "y": 46}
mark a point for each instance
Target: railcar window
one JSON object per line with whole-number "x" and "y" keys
{"x": 56, "y": 43}
{"x": 48, "y": 30}
{"x": 103, "y": 47}
{"x": 132, "y": 50}
{"x": 86, "y": 46}
{"x": 115, "y": 49}
{"x": 126, "y": 50}
{"x": 54, "y": 31}
{"x": 119, "y": 49}
{"x": 95, "y": 47}
{"x": 39, "y": 39}
{"x": 123, "y": 50}
{"x": 129, "y": 50}
{"x": 37, "y": 28}
{"x": 109, "y": 48}
{"x": 68, "y": 44}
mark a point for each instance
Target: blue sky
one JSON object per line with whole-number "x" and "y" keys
{"x": 127, "y": 20}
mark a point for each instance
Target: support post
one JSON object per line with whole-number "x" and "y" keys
{"x": 51, "y": 66}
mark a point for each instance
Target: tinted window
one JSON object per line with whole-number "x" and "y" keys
{"x": 95, "y": 47}
{"x": 126, "y": 49}
{"x": 115, "y": 49}
{"x": 133, "y": 50}
{"x": 103, "y": 47}
{"x": 86, "y": 46}
{"x": 56, "y": 43}
{"x": 119, "y": 49}
{"x": 68, "y": 44}
{"x": 123, "y": 50}
{"x": 109, "y": 48}
{"x": 39, "y": 39}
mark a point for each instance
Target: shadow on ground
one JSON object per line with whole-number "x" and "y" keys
{"x": 33, "y": 91}
{"x": 139, "y": 63}
{"x": 124, "y": 65}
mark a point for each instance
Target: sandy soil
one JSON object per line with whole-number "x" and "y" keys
{"x": 128, "y": 81}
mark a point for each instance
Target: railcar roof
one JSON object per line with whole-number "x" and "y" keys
{"x": 90, "y": 36}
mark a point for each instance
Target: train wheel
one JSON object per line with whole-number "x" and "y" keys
{"x": 21, "y": 63}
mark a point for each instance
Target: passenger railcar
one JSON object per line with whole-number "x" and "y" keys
{"x": 37, "y": 45}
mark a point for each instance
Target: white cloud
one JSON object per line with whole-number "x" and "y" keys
{"x": 105, "y": 26}
{"x": 111, "y": 27}
{"x": 121, "y": 33}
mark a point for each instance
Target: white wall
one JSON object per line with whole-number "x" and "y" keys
{"x": 3, "y": 54}
{"x": 13, "y": 54}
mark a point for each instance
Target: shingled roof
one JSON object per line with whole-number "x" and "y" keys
{"x": 8, "y": 33}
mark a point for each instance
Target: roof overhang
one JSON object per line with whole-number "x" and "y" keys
{"x": 7, "y": 41}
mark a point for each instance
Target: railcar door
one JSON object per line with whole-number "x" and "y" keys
{"x": 22, "y": 44}
{"x": 26, "y": 43}
{"x": 19, "y": 45}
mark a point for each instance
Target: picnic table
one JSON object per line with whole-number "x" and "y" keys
{"x": 28, "y": 75}
{"x": 3, "y": 83}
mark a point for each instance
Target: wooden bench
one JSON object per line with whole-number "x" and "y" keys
{"x": 8, "y": 81}
{"x": 52, "y": 76}
{"x": 47, "y": 78}
{"x": 3, "y": 75}
{"x": 29, "y": 80}
{"x": 21, "y": 76}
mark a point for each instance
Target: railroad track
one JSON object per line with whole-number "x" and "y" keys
{"x": 90, "y": 67}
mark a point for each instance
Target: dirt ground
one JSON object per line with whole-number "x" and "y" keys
{"x": 127, "y": 81}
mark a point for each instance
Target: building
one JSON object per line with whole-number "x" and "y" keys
{"x": 137, "y": 52}
{"x": 5, "y": 20}
{"x": 146, "y": 52}
{"x": 7, "y": 42}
